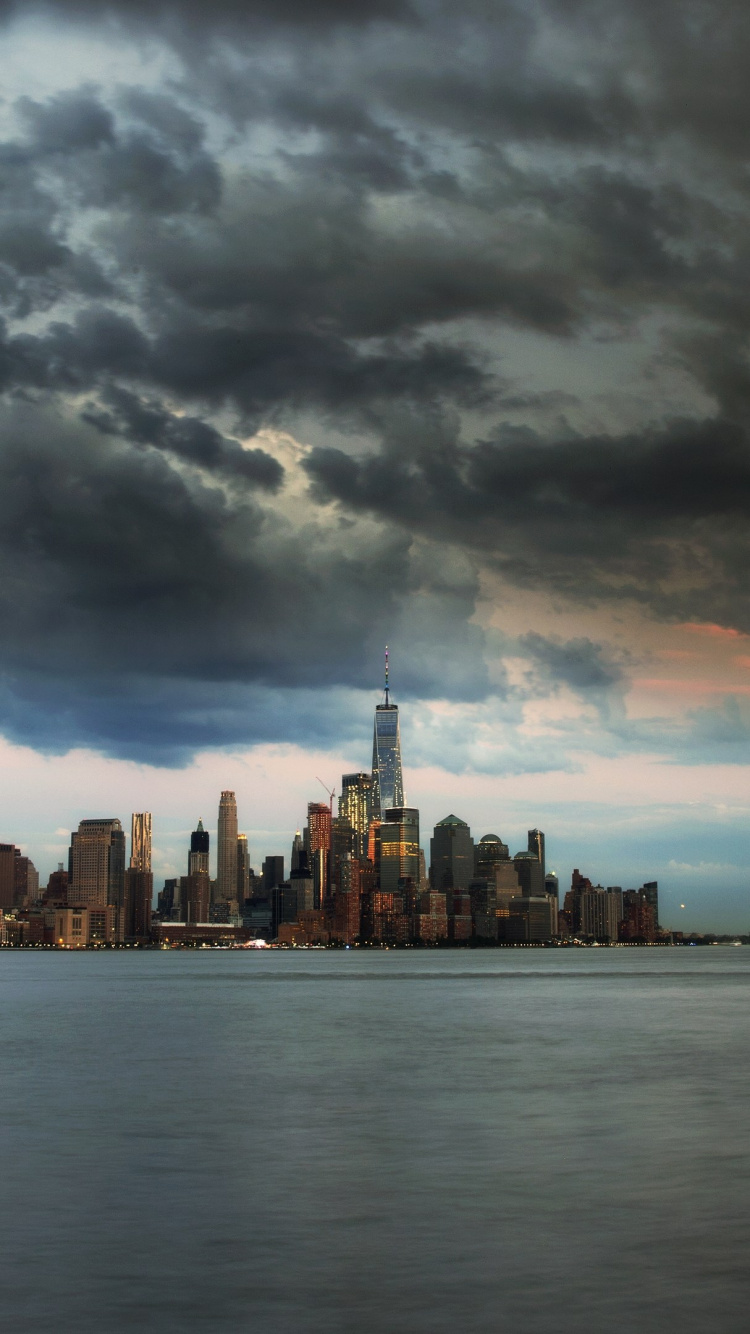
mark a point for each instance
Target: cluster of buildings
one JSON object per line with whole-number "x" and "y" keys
{"x": 356, "y": 877}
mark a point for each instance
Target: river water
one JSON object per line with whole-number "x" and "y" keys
{"x": 530, "y": 1141}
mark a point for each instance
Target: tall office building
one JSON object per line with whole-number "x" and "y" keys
{"x": 7, "y": 875}
{"x": 226, "y": 865}
{"x": 487, "y": 853}
{"x": 387, "y": 779}
{"x": 451, "y": 855}
{"x": 536, "y": 848}
{"x": 273, "y": 870}
{"x": 243, "y": 869}
{"x": 398, "y": 840}
{"x": 140, "y": 842}
{"x": 199, "y": 850}
{"x": 135, "y": 922}
{"x": 355, "y": 806}
{"x": 298, "y": 847}
{"x": 650, "y": 890}
{"x": 97, "y": 864}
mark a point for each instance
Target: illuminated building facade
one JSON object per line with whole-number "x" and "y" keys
{"x": 355, "y": 806}
{"x": 398, "y": 840}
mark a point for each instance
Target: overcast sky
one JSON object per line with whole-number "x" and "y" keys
{"x": 330, "y": 325}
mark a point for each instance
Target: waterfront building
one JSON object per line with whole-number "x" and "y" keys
{"x": 226, "y": 864}
{"x": 638, "y": 924}
{"x": 387, "y": 777}
{"x": 139, "y": 893}
{"x": 650, "y": 890}
{"x": 597, "y": 914}
{"x": 483, "y": 899}
{"x": 140, "y": 841}
{"x": 529, "y": 920}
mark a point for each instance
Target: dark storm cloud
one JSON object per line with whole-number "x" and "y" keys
{"x": 579, "y": 663}
{"x": 188, "y": 438}
{"x": 341, "y": 213}
{"x": 125, "y": 580}
{"x": 659, "y": 517}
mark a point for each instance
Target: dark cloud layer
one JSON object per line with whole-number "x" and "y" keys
{"x": 342, "y": 216}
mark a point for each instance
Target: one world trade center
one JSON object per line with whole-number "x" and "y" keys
{"x": 387, "y": 780}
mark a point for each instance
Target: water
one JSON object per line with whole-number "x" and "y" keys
{"x": 517, "y": 1140}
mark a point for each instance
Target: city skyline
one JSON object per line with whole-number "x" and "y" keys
{"x": 232, "y": 849}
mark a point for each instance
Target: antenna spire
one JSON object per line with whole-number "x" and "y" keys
{"x": 386, "y": 675}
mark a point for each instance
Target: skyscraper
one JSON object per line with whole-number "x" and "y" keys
{"x": 451, "y": 854}
{"x": 243, "y": 869}
{"x": 140, "y": 842}
{"x": 398, "y": 838}
{"x": 226, "y": 866}
{"x": 97, "y": 863}
{"x": 355, "y": 806}
{"x": 318, "y": 843}
{"x": 536, "y": 848}
{"x": 387, "y": 779}
{"x": 199, "y": 849}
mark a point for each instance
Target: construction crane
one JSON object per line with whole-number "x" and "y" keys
{"x": 331, "y": 792}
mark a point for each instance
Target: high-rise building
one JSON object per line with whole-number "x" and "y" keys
{"x": 530, "y": 874}
{"x": 195, "y": 897}
{"x": 536, "y": 848}
{"x": 487, "y": 853}
{"x": 226, "y": 865}
{"x": 298, "y": 846}
{"x": 387, "y": 778}
{"x": 97, "y": 863}
{"x": 273, "y": 870}
{"x": 398, "y": 839}
{"x": 597, "y": 914}
{"x": 140, "y": 842}
{"x": 650, "y": 891}
{"x": 243, "y": 869}
{"x": 139, "y": 893}
{"x": 26, "y": 880}
{"x": 451, "y": 855}
{"x": 355, "y": 806}
{"x": 199, "y": 850}
{"x": 318, "y": 836}
{"x": 7, "y": 875}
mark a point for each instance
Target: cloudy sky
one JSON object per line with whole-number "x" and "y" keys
{"x": 330, "y": 325}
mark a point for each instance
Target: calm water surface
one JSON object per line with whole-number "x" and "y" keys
{"x": 517, "y": 1140}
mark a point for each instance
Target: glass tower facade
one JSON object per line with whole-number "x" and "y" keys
{"x": 387, "y": 779}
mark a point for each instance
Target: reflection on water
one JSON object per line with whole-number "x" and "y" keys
{"x": 520, "y": 1141}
